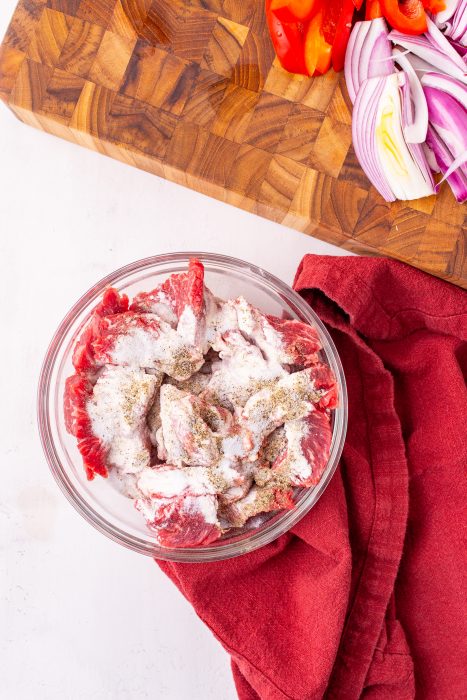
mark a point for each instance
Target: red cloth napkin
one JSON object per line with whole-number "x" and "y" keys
{"x": 366, "y": 596}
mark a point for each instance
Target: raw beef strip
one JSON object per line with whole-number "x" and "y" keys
{"x": 233, "y": 479}
{"x": 242, "y": 372}
{"x": 169, "y": 299}
{"x": 257, "y": 500}
{"x": 117, "y": 410}
{"x": 144, "y": 341}
{"x": 288, "y": 342}
{"x": 187, "y": 437}
{"x": 112, "y": 303}
{"x": 291, "y": 398}
{"x": 222, "y": 321}
{"x": 180, "y": 505}
{"x": 308, "y": 445}
{"x": 78, "y": 389}
{"x": 109, "y": 419}
{"x": 195, "y": 384}
{"x": 183, "y": 302}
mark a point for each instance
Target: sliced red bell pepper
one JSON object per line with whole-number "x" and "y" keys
{"x": 295, "y": 10}
{"x": 331, "y": 13}
{"x": 373, "y": 9}
{"x": 288, "y": 41}
{"x": 408, "y": 16}
{"x": 434, "y": 6}
{"x": 343, "y": 29}
{"x": 358, "y": 4}
{"x": 317, "y": 49}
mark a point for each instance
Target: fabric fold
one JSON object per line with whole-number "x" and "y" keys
{"x": 365, "y": 597}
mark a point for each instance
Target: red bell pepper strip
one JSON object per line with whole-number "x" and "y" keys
{"x": 331, "y": 13}
{"x": 358, "y": 4}
{"x": 373, "y": 9}
{"x": 343, "y": 29}
{"x": 408, "y": 16}
{"x": 288, "y": 41}
{"x": 295, "y": 10}
{"x": 434, "y": 6}
{"x": 317, "y": 49}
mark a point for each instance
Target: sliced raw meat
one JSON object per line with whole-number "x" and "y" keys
{"x": 195, "y": 384}
{"x": 183, "y": 302}
{"x": 94, "y": 457}
{"x": 78, "y": 390}
{"x": 117, "y": 411}
{"x": 306, "y": 455}
{"x": 161, "y": 451}
{"x": 180, "y": 505}
{"x": 187, "y": 437}
{"x": 153, "y": 418}
{"x": 112, "y": 303}
{"x": 257, "y": 500}
{"x": 144, "y": 341}
{"x": 241, "y": 373}
{"x": 222, "y": 320}
{"x": 169, "y": 299}
{"x": 208, "y": 413}
{"x": 291, "y": 398}
{"x": 288, "y": 342}
{"x": 274, "y": 445}
{"x": 233, "y": 479}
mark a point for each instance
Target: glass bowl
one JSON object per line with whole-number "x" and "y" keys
{"x": 106, "y": 509}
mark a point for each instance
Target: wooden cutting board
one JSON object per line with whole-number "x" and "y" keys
{"x": 190, "y": 90}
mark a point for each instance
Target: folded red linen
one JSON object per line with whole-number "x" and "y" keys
{"x": 366, "y": 596}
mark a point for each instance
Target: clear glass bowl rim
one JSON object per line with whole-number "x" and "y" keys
{"x": 221, "y": 550}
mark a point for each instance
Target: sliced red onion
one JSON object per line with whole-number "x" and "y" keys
{"x": 368, "y": 54}
{"x": 448, "y": 118}
{"x": 442, "y": 17}
{"x": 398, "y": 170}
{"x": 455, "y": 165}
{"x": 457, "y": 180}
{"x": 446, "y": 84}
{"x": 430, "y": 158}
{"x": 415, "y": 125}
{"x": 439, "y": 41}
{"x": 456, "y": 28}
{"x": 419, "y": 65}
{"x": 461, "y": 50}
{"x": 433, "y": 48}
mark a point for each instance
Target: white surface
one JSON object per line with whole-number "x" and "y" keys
{"x": 80, "y": 617}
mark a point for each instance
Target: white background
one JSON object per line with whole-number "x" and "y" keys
{"x": 81, "y": 618}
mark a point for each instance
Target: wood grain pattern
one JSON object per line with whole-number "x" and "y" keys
{"x": 190, "y": 90}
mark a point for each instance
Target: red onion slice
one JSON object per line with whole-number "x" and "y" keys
{"x": 433, "y": 48}
{"x": 446, "y": 84}
{"x": 368, "y": 54}
{"x": 415, "y": 127}
{"x": 398, "y": 170}
{"x": 457, "y": 181}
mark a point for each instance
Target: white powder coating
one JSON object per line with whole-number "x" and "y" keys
{"x": 117, "y": 409}
{"x": 189, "y": 508}
{"x": 202, "y": 392}
{"x": 159, "y": 304}
{"x": 187, "y": 327}
{"x": 192, "y": 488}
{"x": 168, "y": 481}
{"x": 187, "y": 437}
{"x": 256, "y": 326}
{"x": 242, "y": 372}
{"x": 288, "y": 400}
{"x": 164, "y": 350}
{"x": 296, "y": 465}
{"x": 195, "y": 384}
